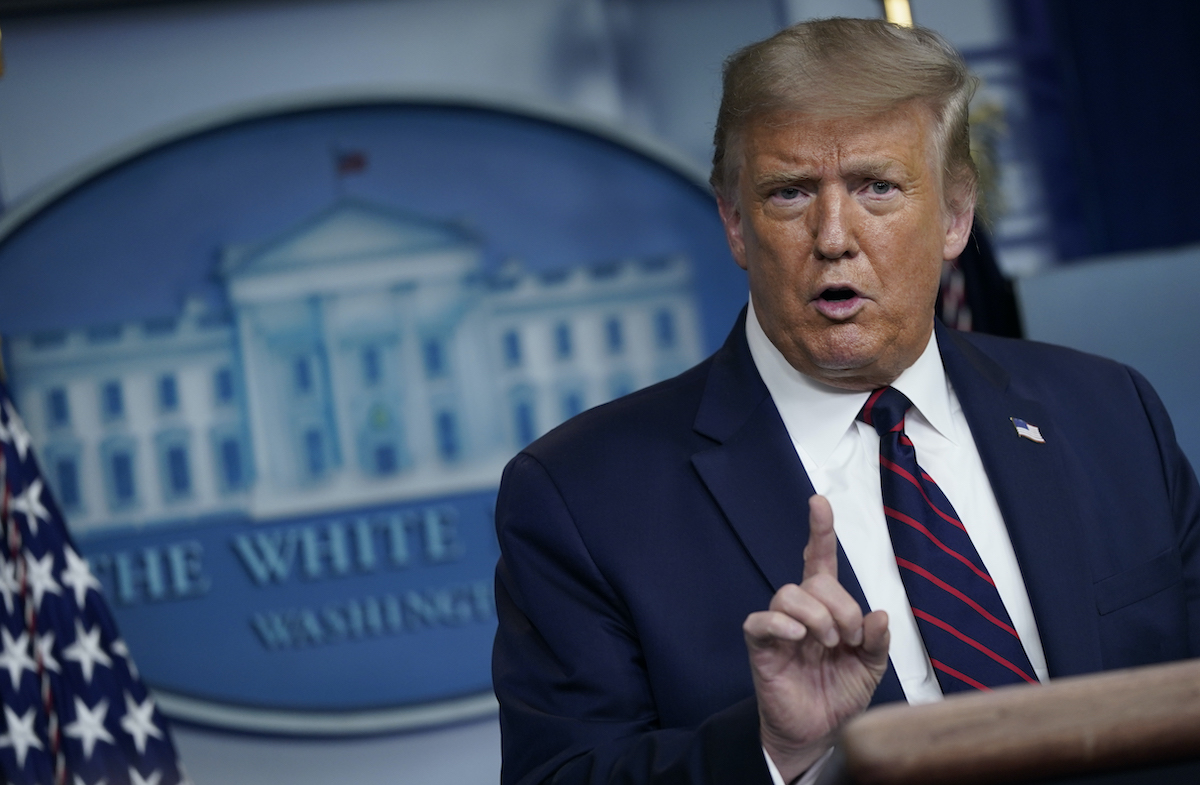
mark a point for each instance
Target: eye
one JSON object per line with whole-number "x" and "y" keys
{"x": 882, "y": 187}
{"x": 788, "y": 193}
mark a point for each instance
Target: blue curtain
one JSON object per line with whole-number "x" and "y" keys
{"x": 1114, "y": 87}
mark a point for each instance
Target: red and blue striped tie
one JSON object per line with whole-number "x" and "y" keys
{"x": 967, "y": 632}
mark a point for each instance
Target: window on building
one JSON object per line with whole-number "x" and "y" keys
{"x": 385, "y": 459}
{"x": 233, "y": 473}
{"x": 302, "y": 379}
{"x": 112, "y": 401}
{"x": 511, "y": 346}
{"x": 314, "y": 452}
{"x": 435, "y": 358}
{"x": 371, "y": 367}
{"x": 572, "y": 404}
{"x": 562, "y": 341}
{"x": 174, "y": 463}
{"x": 118, "y": 468}
{"x": 523, "y": 422}
{"x": 58, "y": 412}
{"x": 614, "y": 336}
{"x": 179, "y": 478}
{"x": 121, "y": 470}
{"x": 223, "y": 385}
{"x": 447, "y": 436}
{"x": 168, "y": 393}
{"x": 66, "y": 476}
{"x": 664, "y": 329}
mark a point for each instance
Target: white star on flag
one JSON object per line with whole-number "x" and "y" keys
{"x": 16, "y": 434}
{"x": 45, "y": 650}
{"x": 86, "y": 650}
{"x": 8, "y": 583}
{"x": 138, "y": 721}
{"x": 40, "y": 575}
{"x": 15, "y": 657}
{"x": 119, "y": 648}
{"x": 135, "y": 777}
{"x": 30, "y": 504}
{"x": 21, "y": 735}
{"x": 88, "y": 726}
{"x": 78, "y": 576}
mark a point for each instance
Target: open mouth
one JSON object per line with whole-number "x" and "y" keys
{"x": 837, "y": 295}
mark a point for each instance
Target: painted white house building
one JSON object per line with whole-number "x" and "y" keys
{"x": 364, "y": 356}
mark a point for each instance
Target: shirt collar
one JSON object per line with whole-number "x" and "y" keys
{"x": 817, "y": 416}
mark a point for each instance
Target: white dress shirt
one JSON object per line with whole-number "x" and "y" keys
{"x": 841, "y": 456}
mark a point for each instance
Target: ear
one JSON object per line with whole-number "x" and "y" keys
{"x": 958, "y": 230}
{"x": 731, "y": 218}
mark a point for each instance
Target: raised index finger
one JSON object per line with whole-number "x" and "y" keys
{"x": 820, "y": 555}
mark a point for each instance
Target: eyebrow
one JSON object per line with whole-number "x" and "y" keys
{"x": 874, "y": 169}
{"x": 866, "y": 169}
{"x": 780, "y": 178}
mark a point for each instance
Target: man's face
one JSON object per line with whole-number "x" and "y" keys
{"x": 840, "y": 224}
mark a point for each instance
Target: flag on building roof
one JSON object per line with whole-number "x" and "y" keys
{"x": 350, "y": 162}
{"x": 74, "y": 709}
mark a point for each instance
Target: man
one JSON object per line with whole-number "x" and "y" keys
{"x": 674, "y": 603}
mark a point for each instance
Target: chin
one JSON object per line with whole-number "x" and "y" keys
{"x": 844, "y": 349}
{"x": 850, "y": 365}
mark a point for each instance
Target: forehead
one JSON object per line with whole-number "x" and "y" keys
{"x": 897, "y": 141}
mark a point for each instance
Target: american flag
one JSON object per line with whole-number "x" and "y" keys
{"x": 75, "y": 711}
{"x": 1030, "y": 432}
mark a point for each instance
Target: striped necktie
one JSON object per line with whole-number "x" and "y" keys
{"x": 967, "y": 632}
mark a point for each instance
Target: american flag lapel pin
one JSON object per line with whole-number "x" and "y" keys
{"x": 1030, "y": 432}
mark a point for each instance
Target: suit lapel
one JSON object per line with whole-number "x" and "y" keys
{"x": 1031, "y": 488}
{"x": 758, "y": 480}
{"x": 753, "y": 472}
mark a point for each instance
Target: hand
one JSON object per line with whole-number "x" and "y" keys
{"x": 815, "y": 658}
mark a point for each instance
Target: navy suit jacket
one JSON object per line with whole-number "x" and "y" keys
{"x": 637, "y": 537}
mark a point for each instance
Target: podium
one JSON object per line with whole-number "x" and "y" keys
{"x": 1132, "y": 727}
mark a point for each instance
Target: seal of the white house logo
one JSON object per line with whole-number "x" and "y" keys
{"x": 273, "y": 368}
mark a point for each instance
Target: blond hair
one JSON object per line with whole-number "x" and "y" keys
{"x": 849, "y": 67}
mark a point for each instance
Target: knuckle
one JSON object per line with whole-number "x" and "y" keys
{"x": 822, "y": 583}
{"x": 787, "y": 595}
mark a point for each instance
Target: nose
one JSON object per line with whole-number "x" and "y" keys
{"x": 830, "y": 221}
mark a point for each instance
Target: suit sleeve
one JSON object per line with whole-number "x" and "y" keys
{"x": 576, "y": 702}
{"x": 1184, "y": 493}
